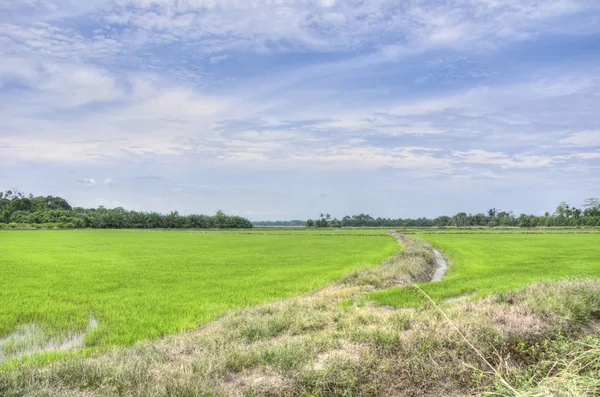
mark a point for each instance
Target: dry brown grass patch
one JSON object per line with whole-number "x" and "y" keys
{"x": 264, "y": 383}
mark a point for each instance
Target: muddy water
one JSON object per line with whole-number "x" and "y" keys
{"x": 442, "y": 266}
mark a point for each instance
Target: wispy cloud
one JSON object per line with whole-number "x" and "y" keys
{"x": 86, "y": 181}
{"x": 583, "y": 138}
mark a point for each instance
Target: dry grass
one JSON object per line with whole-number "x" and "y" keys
{"x": 416, "y": 263}
{"x": 323, "y": 345}
{"x": 579, "y": 375}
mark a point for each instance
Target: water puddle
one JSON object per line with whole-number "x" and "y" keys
{"x": 442, "y": 266}
{"x": 30, "y": 339}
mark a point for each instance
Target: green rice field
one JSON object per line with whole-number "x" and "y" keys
{"x": 481, "y": 264}
{"x": 136, "y": 285}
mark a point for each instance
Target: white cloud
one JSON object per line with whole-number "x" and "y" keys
{"x": 212, "y": 27}
{"x": 17, "y": 69}
{"x": 78, "y": 85}
{"x": 109, "y": 182}
{"x": 483, "y": 157}
{"x": 86, "y": 181}
{"x": 155, "y": 117}
{"x": 583, "y": 138}
{"x": 377, "y": 123}
{"x": 587, "y": 156}
{"x": 160, "y": 119}
{"x": 54, "y": 42}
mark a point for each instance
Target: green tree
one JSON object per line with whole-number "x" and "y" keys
{"x": 335, "y": 223}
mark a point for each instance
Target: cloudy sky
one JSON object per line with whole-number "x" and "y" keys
{"x": 281, "y": 109}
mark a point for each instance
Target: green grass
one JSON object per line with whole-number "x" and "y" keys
{"x": 482, "y": 264}
{"x": 145, "y": 284}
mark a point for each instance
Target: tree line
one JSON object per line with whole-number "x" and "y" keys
{"x": 564, "y": 215}
{"x": 292, "y": 223}
{"x": 20, "y": 210}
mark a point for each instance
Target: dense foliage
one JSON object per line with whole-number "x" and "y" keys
{"x": 324, "y": 221}
{"x": 17, "y": 209}
{"x": 564, "y": 215}
{"x": 292, "y": 223}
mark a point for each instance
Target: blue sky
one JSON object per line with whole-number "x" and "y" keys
{"x": 280, "y": 109}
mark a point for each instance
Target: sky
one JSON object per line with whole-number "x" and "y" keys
{"x": 282, "y": 109}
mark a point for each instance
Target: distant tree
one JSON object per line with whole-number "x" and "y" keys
{"x": 56, "y": 203}
{"x": 323, "y": 221}
{"x": 441, "y": 221}
{"x": 592, "y": 207}
{"x": 479, "y": 220}
{"x": 562, "y": 210}
{"x": 592, "y": 212}
{"x": 524, "y": 221}
{"x": 592, "y": 202}
{"x": 459, "y": 219}
{"x": 335, "y": 223}
{"x": 16, "y": 207}
{"x": 292, "y": 223}
{"x": 220, "y": 219}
